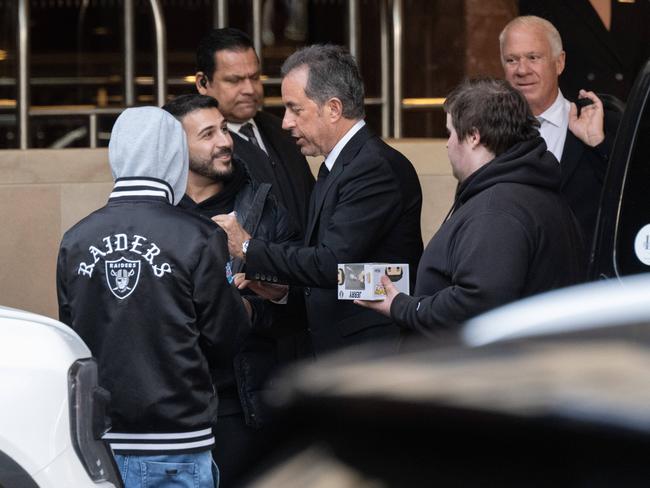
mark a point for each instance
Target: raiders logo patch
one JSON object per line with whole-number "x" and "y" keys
{"x": 122, "y": 276}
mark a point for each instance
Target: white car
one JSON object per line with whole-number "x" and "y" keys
{"x": 51, "y": 408}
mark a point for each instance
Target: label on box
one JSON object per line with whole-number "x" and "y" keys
{"x": 362, "y": 281}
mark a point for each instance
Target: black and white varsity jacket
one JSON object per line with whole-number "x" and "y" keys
{"x": 144, "y": 285}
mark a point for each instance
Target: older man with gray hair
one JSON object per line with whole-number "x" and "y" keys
{"x": 580, "y": 139}
{"x": 365, "y": 206}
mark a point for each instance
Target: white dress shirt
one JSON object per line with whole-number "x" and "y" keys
{"x": 554, "y": 125}
{"x": 336, "y": 150}
{"x": 234, "y": 127}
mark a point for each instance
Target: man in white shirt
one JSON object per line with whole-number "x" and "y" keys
{"x": 581, "y": 140}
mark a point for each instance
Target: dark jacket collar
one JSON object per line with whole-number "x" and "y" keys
{"x": 589, "y": 17}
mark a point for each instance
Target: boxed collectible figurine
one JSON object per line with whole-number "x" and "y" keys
{"x": 362, "y": 281}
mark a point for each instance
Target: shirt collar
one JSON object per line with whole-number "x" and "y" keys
{"x": 558, "y": 113}
{"x": 334, "y": 153}
{"x": 235, "y": 126}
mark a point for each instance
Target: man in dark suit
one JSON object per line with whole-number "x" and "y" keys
{"x": 365, "y": 207}
{"x": 533, "y": 59}
{"x": 228, "y": 69}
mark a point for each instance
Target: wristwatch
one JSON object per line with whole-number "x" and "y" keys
{"x": 244, "y": 247}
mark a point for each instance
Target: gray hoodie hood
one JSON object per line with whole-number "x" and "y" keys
{"x": 149, "y": 142}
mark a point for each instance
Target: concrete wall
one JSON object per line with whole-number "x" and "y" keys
{"x": 45, "y": 192}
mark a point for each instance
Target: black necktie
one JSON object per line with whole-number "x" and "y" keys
{"x": 316, "y": 195}
{"x": 323, "y": 171}
{"x": 247, "y": 130}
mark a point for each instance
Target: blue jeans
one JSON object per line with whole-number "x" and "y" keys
{"x": 195, "y": 470}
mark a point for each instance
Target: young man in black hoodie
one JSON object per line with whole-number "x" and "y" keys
{"x": 509, "y": 234}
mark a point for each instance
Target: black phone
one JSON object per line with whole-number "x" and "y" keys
{"x": 583, "y": 102}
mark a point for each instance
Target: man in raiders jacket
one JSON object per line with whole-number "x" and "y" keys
{"x": 144, "y": 285}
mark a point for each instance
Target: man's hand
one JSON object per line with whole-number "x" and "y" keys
{"x": 382, "y": 306}
{"x": 269, "y": 291}
{"x": 236, "y": 233}
{"x": 589, "y": 126}
{"x": 240, "y": 281}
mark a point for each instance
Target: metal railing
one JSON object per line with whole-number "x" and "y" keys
{"x": 389, "y": 102}
{"x": 23, "y": 105}
{"x": 22, "y": 99}
{"x": 399, "y": 102}
{"x": 398, "y": 11}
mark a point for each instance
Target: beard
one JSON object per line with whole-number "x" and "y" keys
{"x": 206, "y": 167}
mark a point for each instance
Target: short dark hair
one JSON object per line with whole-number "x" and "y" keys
{"x": 333, "y": 72}
{"x": 219, "y": 40}
{"x": 492, "y": 107}
{"x": 182, "y": 105}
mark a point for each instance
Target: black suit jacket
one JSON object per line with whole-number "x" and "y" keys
{"x": 285, "y": 168}
{"x": 367, "y": 210}
{"x": 583, "y": 173}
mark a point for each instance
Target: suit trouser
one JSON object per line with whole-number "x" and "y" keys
{"x": 239, "y": 449}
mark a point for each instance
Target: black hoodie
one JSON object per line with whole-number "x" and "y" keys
{"x": 510, "y": 234}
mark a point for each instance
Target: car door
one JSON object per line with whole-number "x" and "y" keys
{"x": 622, "y": 244}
